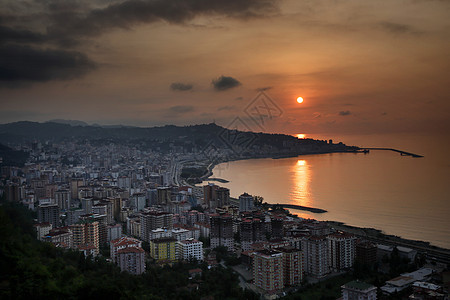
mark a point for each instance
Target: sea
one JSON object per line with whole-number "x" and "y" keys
{"x": 400, "y": 195}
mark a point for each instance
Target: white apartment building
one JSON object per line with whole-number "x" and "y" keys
{"x": 188, "y": 249}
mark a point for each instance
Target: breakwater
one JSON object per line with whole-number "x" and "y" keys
{"x": 299, "y": 207}
{"x": 403, "y": 153}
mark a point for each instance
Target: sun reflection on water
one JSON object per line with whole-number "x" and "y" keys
{"x": 300, "y": 188}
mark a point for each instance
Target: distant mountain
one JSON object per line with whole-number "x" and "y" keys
{"x": 69, "y": 122}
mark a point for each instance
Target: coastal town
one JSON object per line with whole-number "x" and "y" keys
{"x": 144, "y": 208}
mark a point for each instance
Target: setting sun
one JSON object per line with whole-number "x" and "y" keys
{"x": 299, "y": 99}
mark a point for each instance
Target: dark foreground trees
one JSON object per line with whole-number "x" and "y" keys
{"x": 35, "y": 270}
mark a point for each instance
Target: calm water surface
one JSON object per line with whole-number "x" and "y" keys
{"x": 400, "y": 195}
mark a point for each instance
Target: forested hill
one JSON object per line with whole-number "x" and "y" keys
{"x": 11, "y": 157}
{"x": 193, "y": 136}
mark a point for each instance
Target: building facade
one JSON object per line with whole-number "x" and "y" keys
{"x": 132, "y": 260}
{"x": 315, "y": 249}
{"x": 49, "y": 213}
{"x": 222, "y": 231}
{"x": 268, "y": 270}
{"x": 357, "y": 290}
{"x": 245, "y": 202}
{"x": 341, "y": 250}
{"x": 189, "y": 249}
{"x": 122, "y": 243}
{"x": 292, "y": 266}
{"x": 163, "y": 249}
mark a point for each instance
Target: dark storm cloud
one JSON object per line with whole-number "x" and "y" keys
{"x": 345, "y": 113}
{"x": 60, "y": 25}
{"x": 132, "y": 12}
{"x": 8, "y": 34}
{"x": 224, "y": 83}
{"x": 178, "y": 86}
{"x": 27, "y": 64}
{"x": 181, "y": 109}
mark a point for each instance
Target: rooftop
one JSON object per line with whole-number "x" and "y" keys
{"x": 131, "y": 250}
{"x": 358, "y": 285}
{"x": 400, "y": 281}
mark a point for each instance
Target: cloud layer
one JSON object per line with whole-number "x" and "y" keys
{"x": 27, "y": 64}
{"x": 56, "y": 26}
{"x": 178, "y": 86}
{"x": 224, "y": 83}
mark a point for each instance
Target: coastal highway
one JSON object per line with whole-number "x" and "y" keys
{"x": 375, "y": 236}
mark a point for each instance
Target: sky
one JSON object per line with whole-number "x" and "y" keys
{"x": 362, "y": 67}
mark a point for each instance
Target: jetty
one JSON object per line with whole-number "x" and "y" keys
{"x": 403, "y": 153}
{"x": 299, "y": 207}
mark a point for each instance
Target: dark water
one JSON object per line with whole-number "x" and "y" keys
{"x": 400, "y": 195}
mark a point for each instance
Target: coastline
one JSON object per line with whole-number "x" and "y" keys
{"x": 212, "y": 165}
{"x": 439, "y": 253}
{"x": 379, "y": 237}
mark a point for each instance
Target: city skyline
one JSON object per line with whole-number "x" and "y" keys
{"x": 360, "y": 67}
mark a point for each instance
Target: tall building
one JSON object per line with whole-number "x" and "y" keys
{"x": 277, "y": 225}
{"x": 12, "y": 192}
{"x": 189, "y": 249}
{"x": 163, "y": 249}
{"x": 268, "y": 270}
{"x": 113, "y": 232}
{"x": 49, "y": 213}
{"x": 215, "y": 196}
{"x": 315, "y": 249}
{"x": 366, "y": 253}
{"x": 86, "y": 234}
{"x": 164, "y": 195}
{"x": 122, "y": 243}
{"x": 74, "y": 185}
{"x": 109, "y": 210}
{"x": 154, "y": 220}
{"x": 209, "y": 195}
{"x": 102, "y": 225}
{"x": 86, "y": 205}
{"x": 138, "y": 201}
{"x": 357, "y": 290}
{"x": 222, "y": 196}
{"x": 292, "y": 266}
{"x": 222, "y": 231}
{"x": 78, "y": 235}
{"x": 341, "y": 250}
{"x": 117, "y": 204}
{"x": 124, "y": 182}
{"x": 132, "y": 260}
{"x": 62, "y": 198}
{"x": 245, "y": 202}
{"x": 251, "y": 231}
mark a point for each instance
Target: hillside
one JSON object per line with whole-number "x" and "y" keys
{"x": 162, "y": 138}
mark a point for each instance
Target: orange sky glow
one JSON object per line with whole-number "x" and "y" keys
{"x": 360, "y": 66}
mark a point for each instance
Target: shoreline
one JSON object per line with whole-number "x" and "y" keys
{"x": 211, "y": 166}
{"x": 375, "y": 235}
{"x": 380, "y": 237}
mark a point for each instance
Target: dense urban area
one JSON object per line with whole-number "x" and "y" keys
{"x": 122, "y": 213}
